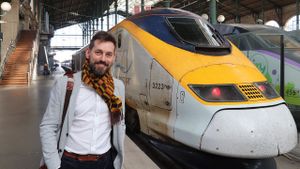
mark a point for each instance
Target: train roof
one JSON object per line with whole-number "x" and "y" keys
{"x": 181, "y": 28}
{"x": 228, "y": 29}
{"x": 237, "y": 33}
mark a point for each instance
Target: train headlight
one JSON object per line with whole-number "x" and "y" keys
{"x": 267, "y": 90}
{"x": 218, "y": 93}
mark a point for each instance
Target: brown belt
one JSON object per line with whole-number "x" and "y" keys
{"x": 89, "y": 157}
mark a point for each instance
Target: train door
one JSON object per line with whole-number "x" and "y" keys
{"x": 137, "y": 76}
{"x": 160, "y": 94}
{"x": 120, "y": 67}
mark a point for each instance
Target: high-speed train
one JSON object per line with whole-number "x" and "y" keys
{"x": 187, "y": 85}
{"x": 261, "y": 44}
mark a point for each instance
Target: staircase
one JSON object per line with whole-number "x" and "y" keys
{"x": 18, "y": 63}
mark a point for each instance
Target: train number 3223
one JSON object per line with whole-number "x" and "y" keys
{"x": 161, "y": 86}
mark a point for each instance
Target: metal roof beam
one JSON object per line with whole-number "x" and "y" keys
{"x": 175, "y": 5}
{"x": 250, "y": 9}
{"x": 70, "y": 7}
{"x": 273, "y": 3}
{"x": 187, "y": 5}
{"x": 230, "y": 13}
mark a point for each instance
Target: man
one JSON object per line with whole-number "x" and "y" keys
{"x": 95, "y": 113}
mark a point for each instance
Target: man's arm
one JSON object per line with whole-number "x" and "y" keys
{"x": 49, "y": 127}
{"x": 119, "y": 128}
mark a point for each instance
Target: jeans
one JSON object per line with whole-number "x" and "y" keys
{"x": 105, "y": 162}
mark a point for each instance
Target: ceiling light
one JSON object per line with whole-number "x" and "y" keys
{"x": 5, "y": 6}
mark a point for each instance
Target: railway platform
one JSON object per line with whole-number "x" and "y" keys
{"x": 21, "y": 110}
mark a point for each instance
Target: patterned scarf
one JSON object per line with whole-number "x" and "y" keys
{"x": 104, "y": 86}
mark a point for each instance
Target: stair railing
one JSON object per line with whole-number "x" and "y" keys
{"x": 11, "y": 47}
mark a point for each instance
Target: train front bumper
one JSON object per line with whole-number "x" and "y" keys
{"x": 251, "y": 133}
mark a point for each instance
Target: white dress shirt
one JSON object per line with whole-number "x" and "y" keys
{"x": 91, "y": 127}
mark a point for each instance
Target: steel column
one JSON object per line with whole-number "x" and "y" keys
{"x": 263, "y": 11}
{"x": 90, "y": 29}
{"x": 97, "y": 15}
{"x": 213, "y": 11}
{"x": 102, "y": 23}
{"x": 126, "y": 4}
{"x": 82, "y": 36}
{"x": 167, "y": 3}
{"x": 107, "y": 15}
{"x": 97, "y": 24}
{"x": 101, "y": 17}
{"x": 87, "y": 32}
{"x": 282, "y": 66}
{"x": 93, "y": 26}
{"x": 297, "y": 15}
{"x": 94, "y": 18}
{"x": 142, "y": 5}
{"x": 84, "y": 33}
{"x": 237, "y": 15}
{"x": 116, "y": 12}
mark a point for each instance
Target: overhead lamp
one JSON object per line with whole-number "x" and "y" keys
{"x": 204, "y": 16}
{"x": 5, "y": 6}
{"x": 221, "y": 18}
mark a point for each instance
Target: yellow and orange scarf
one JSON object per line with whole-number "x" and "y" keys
{"x": 104, "y": 86}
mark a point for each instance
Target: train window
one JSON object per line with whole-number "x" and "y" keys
{"x": 119, "y": 40}
{"x": 246, "y": 41}
{"x": 244, "y": 44}
{"x": 188, "y": 30}
{"x": 194, "y": 31}
{"x": 274, "y": 41}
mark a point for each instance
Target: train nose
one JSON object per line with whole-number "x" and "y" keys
{"x": 251, "y": 133}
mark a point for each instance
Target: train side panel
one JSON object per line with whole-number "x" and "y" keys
{"x": 268, "y": 64}
{"x": 149, "y": 87}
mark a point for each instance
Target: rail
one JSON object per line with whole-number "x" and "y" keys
{"x": 11, "y": 46}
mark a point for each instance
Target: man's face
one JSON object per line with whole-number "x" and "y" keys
{"x": 101, "y": 56}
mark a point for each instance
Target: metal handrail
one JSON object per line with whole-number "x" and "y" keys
{"x": 11, "y": 46}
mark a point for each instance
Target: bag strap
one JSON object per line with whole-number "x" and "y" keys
{"x": 69, "y": 90}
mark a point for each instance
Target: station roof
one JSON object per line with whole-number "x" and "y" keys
{"x": 63, "y": 13}
{"x": 229, "y": 7}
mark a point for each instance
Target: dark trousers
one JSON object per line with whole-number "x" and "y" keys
{"x": 105, "y": 162}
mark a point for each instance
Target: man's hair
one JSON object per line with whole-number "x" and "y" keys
{"x": 103, "y": 37}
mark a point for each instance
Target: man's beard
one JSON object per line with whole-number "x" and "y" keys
{"x": 98, "y": 72}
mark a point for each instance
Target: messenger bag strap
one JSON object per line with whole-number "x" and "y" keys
{"x": 70, "y": 84}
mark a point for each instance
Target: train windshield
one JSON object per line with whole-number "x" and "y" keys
{"x": 273, "y": 41}
{"x": 196, "y": 32}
